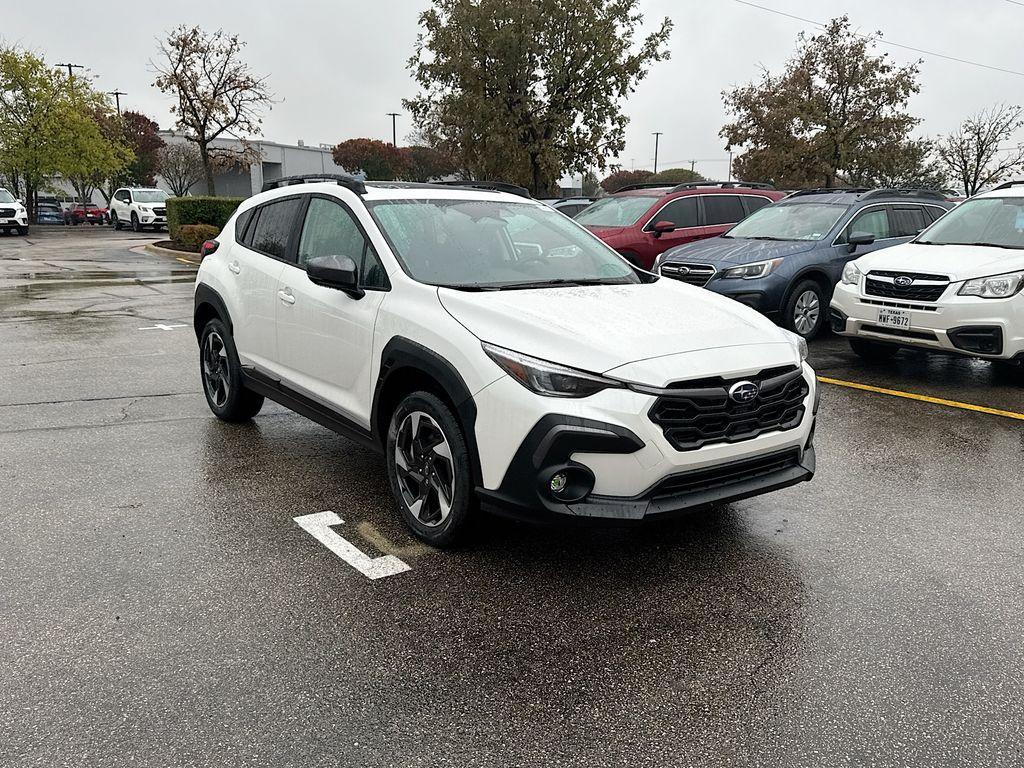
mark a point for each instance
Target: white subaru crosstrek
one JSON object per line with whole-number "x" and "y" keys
{"x": 497, "y": 353}
{"x": 957, "y": 287}
{"x": 13, "y": 216}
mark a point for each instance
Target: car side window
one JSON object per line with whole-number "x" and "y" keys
{"x": 331, "y": 230}
{"x": 273, "y": 230}
{"x": 875, "y": 221}
{"x": 722, "y": 209}
{"x": 753, "y": 203}
{"x": 682, "y": 212}
{"x": 241, "y": 223}
{"x": 908, "y": 220}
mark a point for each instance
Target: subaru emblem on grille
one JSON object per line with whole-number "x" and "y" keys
{"x": 903, "y": 281}
{"x": 683, "y": 270}
{"x": 744, "y": 391}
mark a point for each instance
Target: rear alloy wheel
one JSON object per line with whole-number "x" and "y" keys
{"x": 225, "y": 391}
{"x": 136, "y": 226}
{"x": 428, "y": 467}
{"x": 804, "y": 311}
{"x": 872, "y": 351}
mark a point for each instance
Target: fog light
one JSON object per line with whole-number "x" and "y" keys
{"x": 558, "y": 482}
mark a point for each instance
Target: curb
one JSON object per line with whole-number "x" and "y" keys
{"x": 191, "y": 258}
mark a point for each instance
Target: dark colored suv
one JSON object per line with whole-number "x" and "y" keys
{"x": 786, "y": 259}
{"x": 642, "y": 221}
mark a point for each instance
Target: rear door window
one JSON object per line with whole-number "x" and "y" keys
{"x": 273, "y": 230}
{"x": 722, "y": 209}
{"x": 908, "y": 220}
{"x": 752, "y": 203}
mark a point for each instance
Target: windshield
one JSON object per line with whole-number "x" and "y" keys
{"x": 149, "y": 195}
{"x": 795, "y": 221}
{"x": 6, "y": 197}
{"x": 621, "y": 211}
{"x": 994, "y": 221}
{"x": 492, "y": 244}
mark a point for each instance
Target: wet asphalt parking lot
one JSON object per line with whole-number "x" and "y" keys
{"x": 160, "y": 606}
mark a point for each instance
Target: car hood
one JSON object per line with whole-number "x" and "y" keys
{"x": 959, "y": 262}
{"x": 730, "y": 250}
{"x": 600, "y": 327}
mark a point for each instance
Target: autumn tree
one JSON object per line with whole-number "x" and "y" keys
{"x": 378, "y": 160}
{"x": 180, "y": 166}
{"x": 91, "y": 156}
{"x": 141, "y": 135}
{"x": 426, "y": 164}
{"x": 836, "y": 114}
{"x": 619, "y": 179}
{"x": 216, "y": 94}
{"x": 676, "y": 176}
{"x": 527, "y": 91}
{"x": 979, "y": 153}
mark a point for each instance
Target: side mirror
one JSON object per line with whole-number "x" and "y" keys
{"x": 661, "y": 227}
{"x": 338, "y": 272}
{"x": 859, "y": 238}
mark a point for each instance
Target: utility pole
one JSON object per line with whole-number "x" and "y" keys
{"x": 692, "y": 163}
{"x": 70, "y": 67}
{"x": 730, "y": 165}
{"x": 117, "y": 98}
{"x": 657, "y": 135}
{"x": 394, "y": 129}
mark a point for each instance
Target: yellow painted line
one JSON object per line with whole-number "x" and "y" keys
{"x": 186, "y": 261}
{"x": 922, "y": 398}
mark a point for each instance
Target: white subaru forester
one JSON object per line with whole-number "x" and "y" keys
{"x": 956, "y": 288}
{"x": 497, "y": 353}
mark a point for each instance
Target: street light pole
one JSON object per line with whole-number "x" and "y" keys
{"x": 657, "y": 135}
{"x": 117, "y": 98}
{"x": 394, "y": 129}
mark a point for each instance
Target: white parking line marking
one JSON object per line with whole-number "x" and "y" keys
{"x": 318, "y": 525}
{"x": 162, "y": 327}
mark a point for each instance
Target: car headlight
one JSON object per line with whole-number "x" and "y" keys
{"x": 851, "y": 274}
{"x": 995, "y": 287}
{"x": 145, "y": 209}
{"x": 546, "y": 378}
{"x": 751, "y": 271}
{"x": 799, "y": 344}
{"x": 658, "y": 262}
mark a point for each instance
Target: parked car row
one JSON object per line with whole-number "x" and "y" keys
{"x": 135, "y": 207}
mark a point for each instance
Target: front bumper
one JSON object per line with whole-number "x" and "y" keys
{"x": 608, "y": 445}
{"x": 965, "y": 325}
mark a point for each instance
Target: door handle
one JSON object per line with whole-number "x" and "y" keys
{"x": 234, "y": 267}
{"x": 286, "y": 296}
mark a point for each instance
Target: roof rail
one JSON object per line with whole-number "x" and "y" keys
{"x": 349, "y": 182}
{"x": 1008, "y": 184}
{"x": 927, "y": 194}
{"x": 723, "y": 185}
{"x": 828, "y": 190}
{"x": 644, "y": 185}
{"x": 494, "y": 186}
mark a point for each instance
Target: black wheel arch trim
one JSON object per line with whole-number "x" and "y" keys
{"x": 207, "y": 295}
{"x": 401, "y": 354}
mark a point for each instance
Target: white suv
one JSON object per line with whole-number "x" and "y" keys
{"x": 138, "y": 208}
{"x": 13, "y": 216}
{"x": 497, "y": 353}
{"x": 956, "y": 288}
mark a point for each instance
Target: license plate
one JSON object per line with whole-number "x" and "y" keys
{"x": 894, "y": 318}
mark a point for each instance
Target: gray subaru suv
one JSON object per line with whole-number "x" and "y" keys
{"x": 785, "y": 259}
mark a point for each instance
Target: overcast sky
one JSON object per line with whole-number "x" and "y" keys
{"x": 338, "y": 66}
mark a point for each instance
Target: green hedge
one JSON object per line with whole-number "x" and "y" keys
{"x": 194, "y": 235}
{"x": 214, "y": 211}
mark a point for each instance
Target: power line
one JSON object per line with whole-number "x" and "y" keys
{"x": 1015, "y": 2}
{"x": 883, "y": 41}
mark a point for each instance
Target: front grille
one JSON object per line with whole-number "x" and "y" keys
{"x": 923, "y": 287}
{"x": 899, "y": 305}
{"x": 160, "y": 211}
{"x": 694, "y": 274}
{"x": 699, "y": 413}
{"x": 6, "y": 213}
{"x": 701, "y": 480}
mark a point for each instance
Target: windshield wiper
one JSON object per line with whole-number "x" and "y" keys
{"x": 560, "y": 282}
{"x": 995, "y": 245}
{"x": 470, "y": 286}
{"x": 759, "y": 237}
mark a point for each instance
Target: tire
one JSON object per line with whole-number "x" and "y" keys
{"x": 413, "y": 451}
{"x": 221, "y": 372}
{"x": 136, "y": 226}
{"x": 804, "y": 312}
{"x": 22, "y": 231}
{"x": 872, "y": 351}
{"x": 116, "y": 222}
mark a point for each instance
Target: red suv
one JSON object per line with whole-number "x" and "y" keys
{"x": 642, "y": 221}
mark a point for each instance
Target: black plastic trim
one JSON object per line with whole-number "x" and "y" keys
{"x": 207, "y": 295}
{"x": 966, "y": 338}
{"x": 305, "y": 406}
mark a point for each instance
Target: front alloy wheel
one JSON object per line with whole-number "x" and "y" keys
{"x": 429, "y": 470}
{"x": 223, "y": 385}
{"x": 215, "y": 369}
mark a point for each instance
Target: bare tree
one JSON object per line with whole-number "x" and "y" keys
{"x": 180, "y": 166}
{"x": 217, "y": 95}
{"x": 973, "y": 154}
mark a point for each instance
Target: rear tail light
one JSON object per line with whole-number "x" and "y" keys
{"x": 210, "y": 246}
